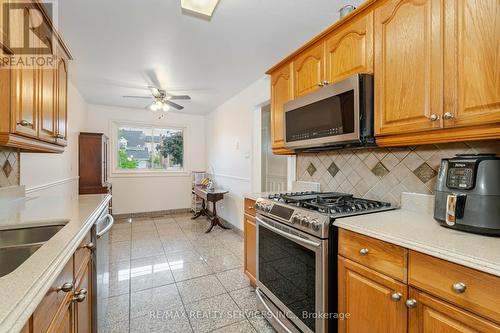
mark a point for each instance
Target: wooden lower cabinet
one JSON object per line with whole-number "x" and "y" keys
{"x": 250, "y": 231}
{"x": 83, "y": 309}
{"x": 64, "y": 320}
{"x": 369, "y": 298}
{"x": 432, "y": 315}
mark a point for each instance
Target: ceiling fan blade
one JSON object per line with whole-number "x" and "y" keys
{"x": 179, "y": 97}
{"x": 153, "y": 78}
{"x": 128, "y": 96}
{"x": 174, "y": 105}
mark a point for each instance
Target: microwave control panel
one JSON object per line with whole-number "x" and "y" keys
{"x": 461, "y": 175}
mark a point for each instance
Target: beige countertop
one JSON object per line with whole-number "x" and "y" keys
{"x": 23, "y": 289}
{"x": 414, "y": 227}
{"x": 256, "y": 195}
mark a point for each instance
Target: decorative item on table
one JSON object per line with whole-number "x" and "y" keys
{"x": 346, "y": 10}
{"x": 210, "y": 185}
{"x": 196, "y": 180}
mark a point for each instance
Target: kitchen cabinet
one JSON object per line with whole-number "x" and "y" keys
{"x": 309, "y": 70}
{"x": 250, "y": 240}
{"x": 408, "y": 66}
{"x": 281, "y": 92}
{"x": 34, "y": 117}
{"x": 349, "y": 50}
{"x": 450, "y": 299}
{"x": 374, "y": 301}
{"x": 67, "y": 305}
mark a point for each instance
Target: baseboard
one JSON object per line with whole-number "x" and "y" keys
{"x": 158, "y": 213}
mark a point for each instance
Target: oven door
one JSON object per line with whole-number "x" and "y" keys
{"x": 327, "y": 116}
{"x": 292, "y": 274}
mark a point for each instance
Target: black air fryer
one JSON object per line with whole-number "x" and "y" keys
{"x": 468, "y": 194}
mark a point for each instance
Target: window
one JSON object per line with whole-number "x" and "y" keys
{"x": 147, "y": 148}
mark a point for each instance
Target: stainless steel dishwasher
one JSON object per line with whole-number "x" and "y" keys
{"x": 101, "y": 267}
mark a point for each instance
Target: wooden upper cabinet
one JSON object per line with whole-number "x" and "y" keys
{"x": 47, "y": 98}
{"x": 432, "y": 315}
{"x": 368, "y": 297}
{"x": 24, "y": 108}
{"x": 408, "y": 66}
{"x": 472, "y": 62}
{"x": 281, "y": 92}
{"x": 62, "y": 101}
{"x": 309, "y": 70}
{"x": 349, "y": 50}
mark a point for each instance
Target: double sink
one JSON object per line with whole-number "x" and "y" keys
{"x": 17, "y": 245}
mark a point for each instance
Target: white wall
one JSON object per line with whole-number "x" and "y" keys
{"x": 230, "y": 135}
{"x": 141, "y": 193}
{"x": 38, "y": 170}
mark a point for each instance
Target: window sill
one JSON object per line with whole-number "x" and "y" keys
{"x": 138, "y": 174}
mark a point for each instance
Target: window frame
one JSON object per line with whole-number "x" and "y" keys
{"x": 117, "y": 172}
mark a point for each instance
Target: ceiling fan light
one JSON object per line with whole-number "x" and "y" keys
{"x": 166, "y": 107}
{"x": 153, "y": 107}
{"x": 204, "y": 8}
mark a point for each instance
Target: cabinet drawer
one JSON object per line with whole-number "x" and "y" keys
{"x": 53, "y": 300}
{"x": 439, "y": 277}
{"x": 249, "y": 206}
{"x": 82, "y": 254}
{"x": 381, "y": 256}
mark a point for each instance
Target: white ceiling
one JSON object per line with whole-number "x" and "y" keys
{"x": 114, "y": 42}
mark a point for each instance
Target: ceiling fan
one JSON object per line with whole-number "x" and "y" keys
{"x": 161, "y": 99}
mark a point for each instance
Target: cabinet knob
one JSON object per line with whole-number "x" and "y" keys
{"x": 60, "y": 136}
{"x": 25, "y": 123}
{"x": 434, "y": 117}
{"x": 66, "y": 287}
{"x": 396, "y": 297}
{"x": 321, "y": 84}
{"x": 363, "y": 252}
{"x": 459, "y": 287}
{"x": 325, "y": 83}
{"x": 79, "y": 298}
{"x": 448, "y": 115}
{"x": 90, "y": 246}
{"x": 82, "y": 291}
{"x": 411, "y": 303}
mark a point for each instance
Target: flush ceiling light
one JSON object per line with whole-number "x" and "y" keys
{"x": 204, "y": 8}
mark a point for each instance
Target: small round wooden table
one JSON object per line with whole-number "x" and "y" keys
{"x": 213, "y": 197}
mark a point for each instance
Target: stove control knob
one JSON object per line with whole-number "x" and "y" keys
{"x": 305, "y": 221}
{"x": 315, "y": 225}
{"x": 295, "y": 219}
{"x": 268, "y": 208}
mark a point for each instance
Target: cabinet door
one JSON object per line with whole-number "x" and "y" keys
{"x": 434, "y": 316}
{"x": 408, "y": 66}
{"x": 472, "y": 62}
{"x": 64, "y": 320}
{"x": 250, "y": 248}
{"x": 350, "y": 49}
{"x": 83, "y": 309}
{"x": 376, "y": 303}
{"x": 308, "y": 70}
{"x": 62, "y": 101}
{"x": 281, "y": 92}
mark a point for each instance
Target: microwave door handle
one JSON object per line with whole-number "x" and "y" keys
{"x": 299, "y": 240}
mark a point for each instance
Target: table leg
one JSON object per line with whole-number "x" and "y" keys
{"x": 215, "y": 220}
{"x": 201, "y": 212}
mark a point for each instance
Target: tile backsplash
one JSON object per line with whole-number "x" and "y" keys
{"x": 9, "y": 167}
{"x": 383, "y": 173}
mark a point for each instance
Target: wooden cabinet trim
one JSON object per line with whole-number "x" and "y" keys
{"x": 249, "y": 206}
{"x": 249, "y": 248}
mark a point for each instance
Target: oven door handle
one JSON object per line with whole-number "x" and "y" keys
{"x": 297, "y": 239}
{"x": 257, "y": 292}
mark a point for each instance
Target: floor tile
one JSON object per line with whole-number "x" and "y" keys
{"x": 149, "y": 272}
{"x": 233, "y": 279}
{"x": 260, "y": 323}
{"x": 189, "y": 270}
{"x": 175, "y": 323}
{"x": 176, "y": 245}
{"x": 120, "y": 234}
{"x": 224, "y": 263}
{"x": 212, "y": 251}
{"x": 143, "y": 226}
{"x": 119, "y": 278}
{"x": 200, "y": 288}
{"x": 245, "y": 298}
{"x": 154, "y": 300}
{"x": 213, "y": 313}
{"x": 117, "y": 310}
{"x": 118, "y": 327}
{"x": 119, "y": 251}
{"x": 182, "y": 256}
{"x": 146, "y": 250}
{"x": 240, "y": 327}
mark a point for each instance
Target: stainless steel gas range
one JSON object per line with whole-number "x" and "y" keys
{"x": 297, "y": 255}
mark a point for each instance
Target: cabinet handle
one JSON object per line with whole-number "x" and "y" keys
{"x": 396, "y": 297}
{"x": 251, "y": 207}
{"x": 363, "y": 252}
{"x": 321, "y": 84}
{"x": 25, "y": 123}
{"x": 325, "y": 83}
{"x": 434, "y": 117}
{"x": 79, "y": 298}
{"x": 66, "y": 287}
{"x": 411, "y": 303}
{"x": 459, "y": 287}
{"x": 90, "y": 246}
{"x": 60, "y": 136}
{"x": 448, "y": 115}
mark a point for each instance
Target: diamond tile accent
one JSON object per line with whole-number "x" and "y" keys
{"x": 425, "y": 173}
{"x": 311, "y": 169}
{"x": 7, "y": 168}
{"x": 333, "y": 169}
{"x": 380, "y": 170}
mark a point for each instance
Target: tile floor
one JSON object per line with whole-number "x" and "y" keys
{"x": 167, "y": 275}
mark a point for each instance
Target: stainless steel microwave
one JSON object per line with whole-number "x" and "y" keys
{"x": 334, "y": 116}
